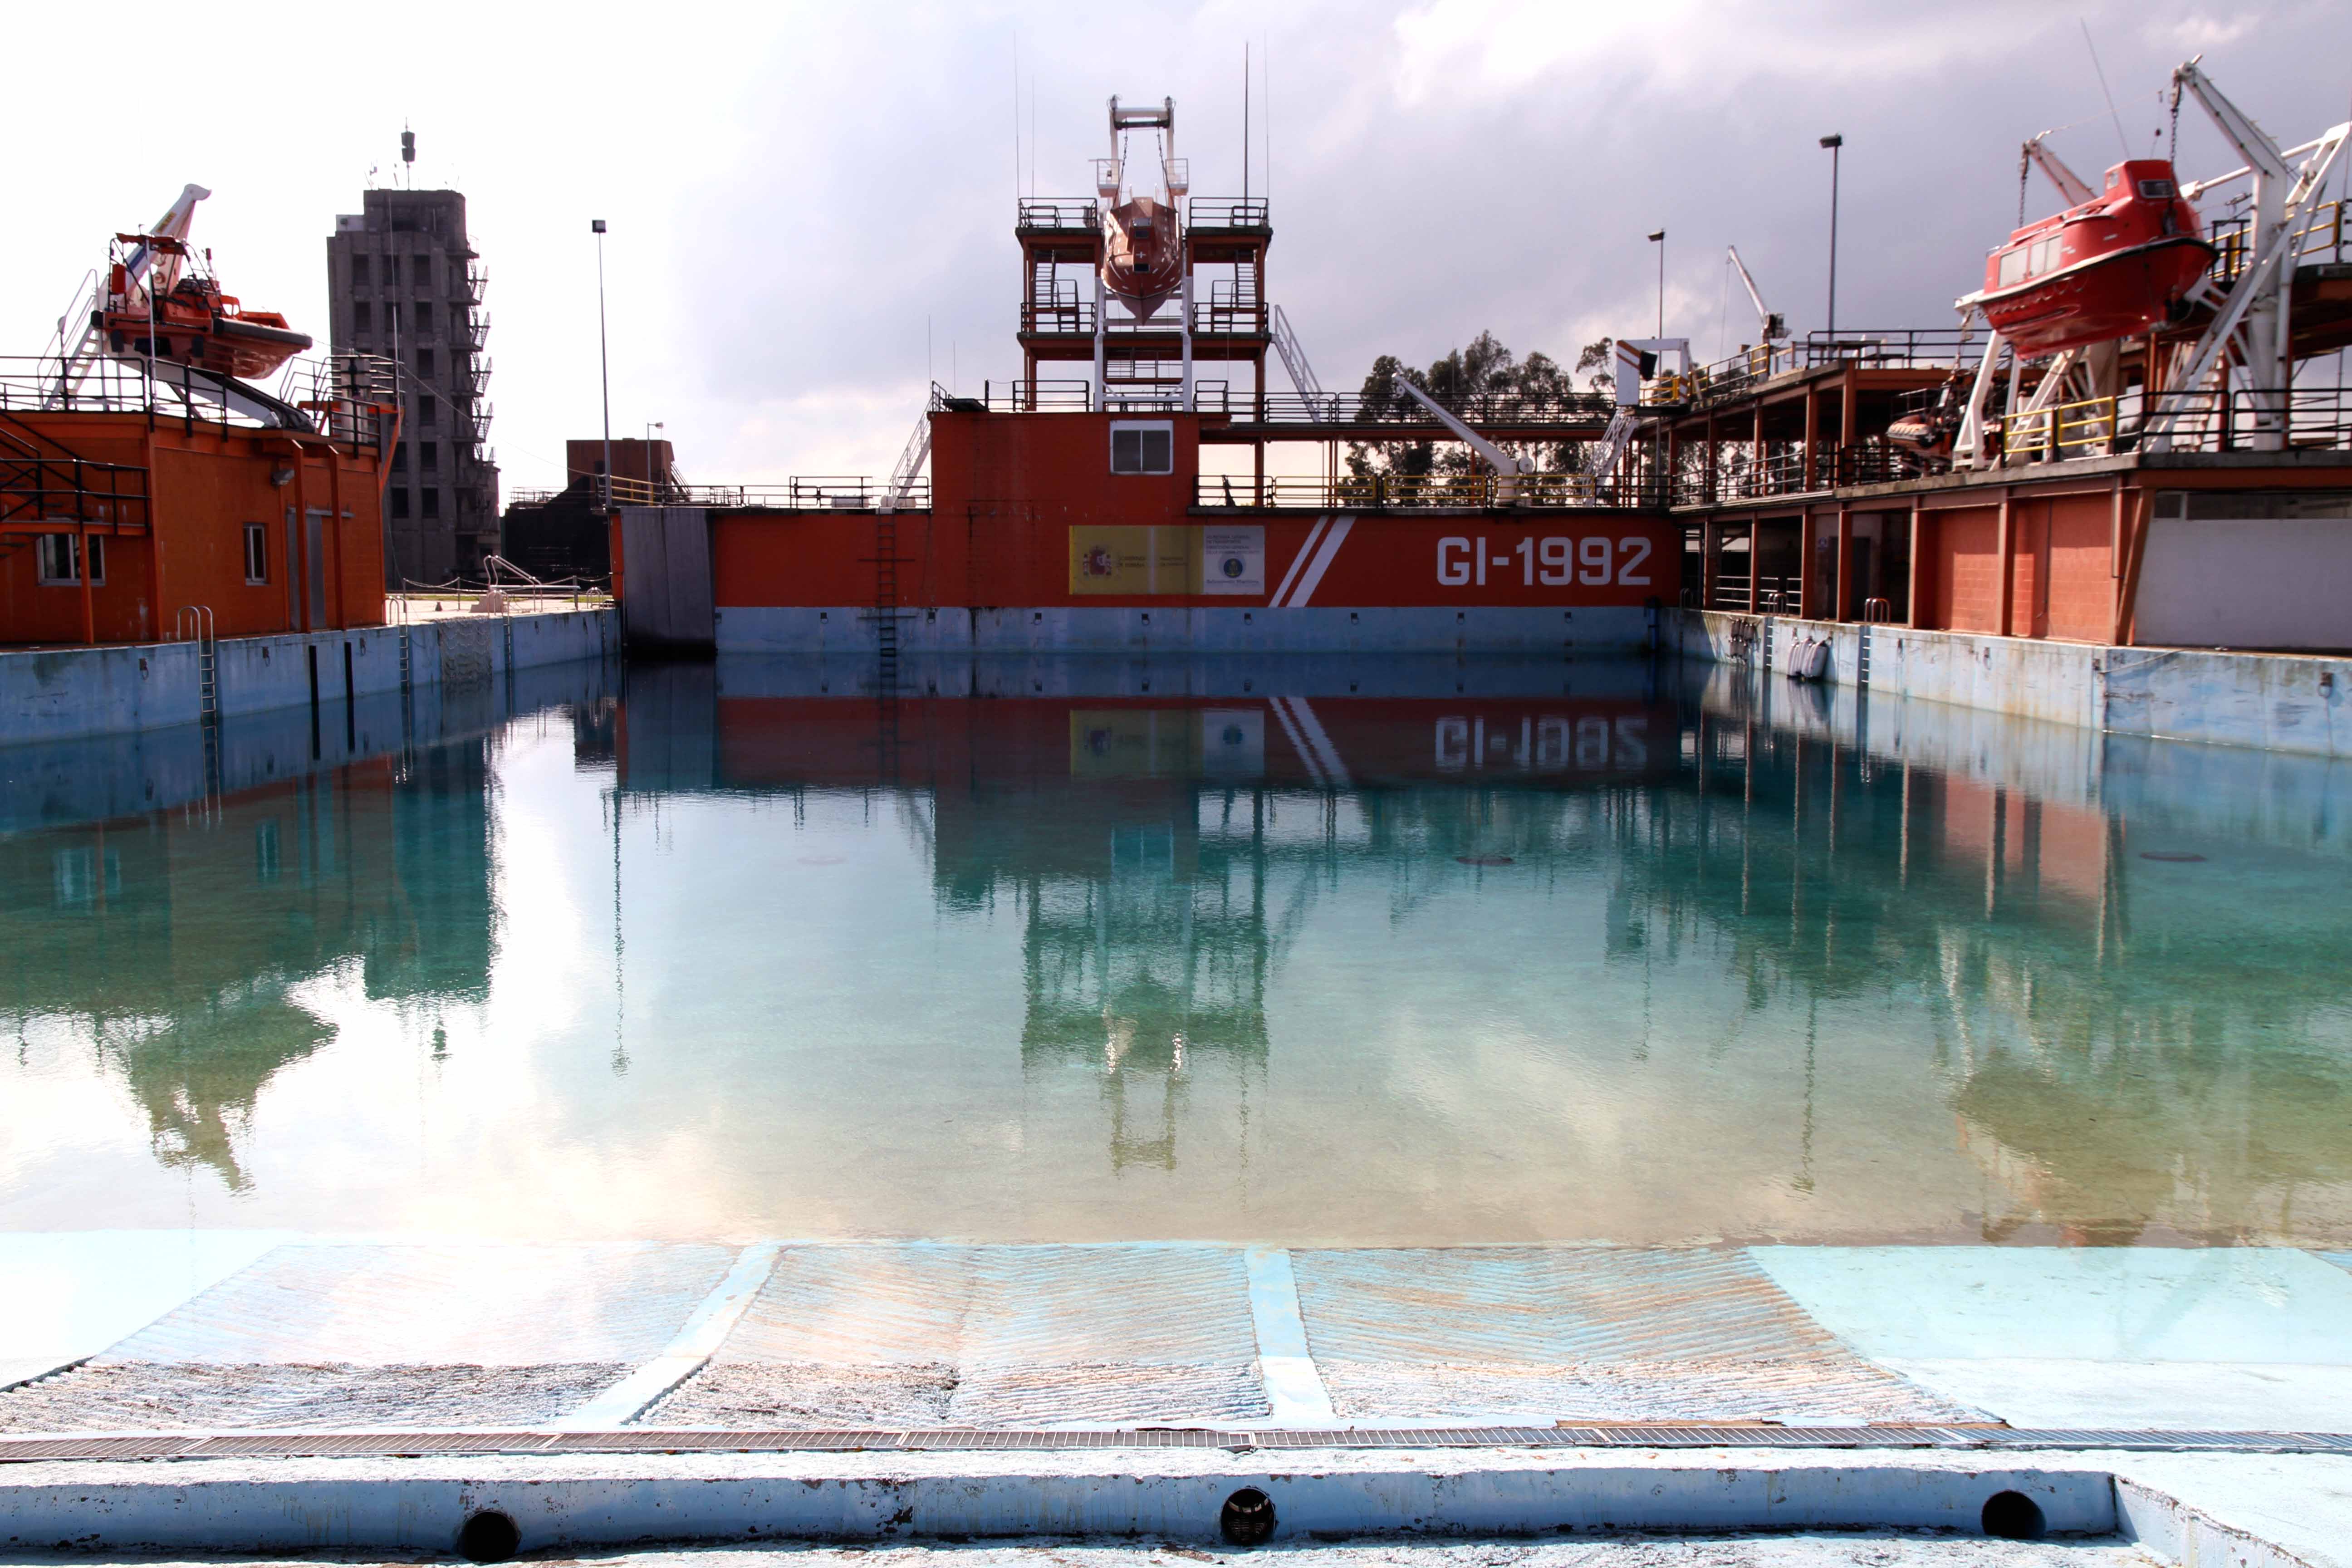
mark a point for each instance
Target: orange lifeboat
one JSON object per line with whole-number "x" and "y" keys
{"x": 2110, "y": 266}
{"x": 189, "y": 321}
{"x": 1143, "y": 254}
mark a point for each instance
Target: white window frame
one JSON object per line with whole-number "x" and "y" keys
{"x": 1142, "y": 427}
{"x": 69, "y": 548}
{"x": 256, "y": 555}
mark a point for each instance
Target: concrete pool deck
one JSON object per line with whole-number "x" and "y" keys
{"x": 2210, "y": 1390}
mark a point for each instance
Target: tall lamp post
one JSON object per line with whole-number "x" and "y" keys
{"x": 1833, "y": 141}
{"x": 651, "y": 478}
{"x": 1659, "y": 239}
{"x": 603, "y": 358}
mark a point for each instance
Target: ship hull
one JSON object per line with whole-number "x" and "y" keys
{"x": 2118, "y": 295}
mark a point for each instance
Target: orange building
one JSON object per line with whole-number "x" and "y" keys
{"x": 127, "y": 510}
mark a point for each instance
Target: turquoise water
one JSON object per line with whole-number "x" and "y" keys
{"x": 1312, "y": 953}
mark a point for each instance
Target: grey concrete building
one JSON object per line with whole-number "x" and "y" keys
{"x": 405, "y": 284}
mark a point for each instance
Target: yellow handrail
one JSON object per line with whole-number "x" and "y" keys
{"x": 2063, "y": 429}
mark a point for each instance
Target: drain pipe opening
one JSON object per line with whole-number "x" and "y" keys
{"x": 489, "y": 1536}
{"x": 2011, "y": 1516}
{"x": 1247, "y": 1518}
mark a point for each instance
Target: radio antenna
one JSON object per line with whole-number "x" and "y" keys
{"x": 2121, "y": 140}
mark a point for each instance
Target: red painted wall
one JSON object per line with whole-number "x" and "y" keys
{"x": 204, "y": 486}
{"x": 1962, "y": 569}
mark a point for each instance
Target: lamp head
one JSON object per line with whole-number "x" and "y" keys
{"x": 1834, "y": 140}
{"x": 1659, "y": 236}
{"x": 595, "y": 225}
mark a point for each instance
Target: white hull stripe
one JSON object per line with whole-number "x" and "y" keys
{"x": 1298, "y": 741}
{"x": 1333, "y": 537}
{"x": 1326, "y": 760}
{"x": 1300, "y": 560}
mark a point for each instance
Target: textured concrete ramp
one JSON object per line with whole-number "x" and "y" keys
{"x": 999, "y": 1336}
{"x": 1575, "y": 1334}
{"x": 388, "y": 1335}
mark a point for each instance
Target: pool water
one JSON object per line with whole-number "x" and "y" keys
{"x": 1311, "y": 952}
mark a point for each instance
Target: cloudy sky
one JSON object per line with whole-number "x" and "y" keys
{"x": 810, "y": 204}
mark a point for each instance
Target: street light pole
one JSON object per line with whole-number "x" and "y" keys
{"x": 1833, "y": 141}
{"x": 1659, "y": 239}
{"x": 603, "y": 358}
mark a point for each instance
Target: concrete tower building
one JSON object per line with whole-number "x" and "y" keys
{"x": 405, "y": 284}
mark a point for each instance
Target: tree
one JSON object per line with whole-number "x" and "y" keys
{"x": 1481, "y": 379}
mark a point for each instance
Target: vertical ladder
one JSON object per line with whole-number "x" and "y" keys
{"x": 886, "y": 643}
{"x": 194, "y": 623}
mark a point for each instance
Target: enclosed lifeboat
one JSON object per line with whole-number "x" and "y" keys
{"x": 2116, "y": 265}
{"x": 1143, "y": 254}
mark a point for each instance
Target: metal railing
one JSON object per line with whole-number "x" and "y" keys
{"x": 1387, "y": 492}
{"x": 2081, "y": 429}
{"x": 1228, "y": 212}
{"x": 1070, "y": 213}
{"x": 2233, "y": 243}
{"x": 338, "y": 397}
{"x": 821, "y": 492}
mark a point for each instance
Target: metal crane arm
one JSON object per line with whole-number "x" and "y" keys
{"x": 177, "y": 220}
{"x": 2070, "y": 185}
{"x": 1504, "y": 463}
{"x": 1775, "y": 326}
{"x": 2261, "y": 154}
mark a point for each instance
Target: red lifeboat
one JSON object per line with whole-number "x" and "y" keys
{"x": 189, "y": 322}
{"x": 1143, "y": 254}
{"x": 2116, "y": 265}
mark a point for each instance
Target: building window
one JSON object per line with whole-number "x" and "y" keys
{"x": 359, "y": 271}
{"x": 432, "y": 502}
{"x": 1137, "y": 448}
{"x": 428, "y": 457}
{"x": 400, "y": 501}
{"x": 423, "y": 318}
{"x": 60, "y": 559}
{"x": 421, "y": 273}
{"x": 424, "y": 363}
{"x": 257, "y": 553}
{"x": 362, "y": 318}
{"x": 428, "y": 411}
{"x": 400, "y": 456}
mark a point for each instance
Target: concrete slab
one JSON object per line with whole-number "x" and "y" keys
{"x": 1581, "y": 1333}
{"x": 71, "y": 1294}
{"x": 2199, "y": 1305}
{"x": 2143, "y": 1396}
{"x": 2256, "y": 1508}
{"x": 927, "y": 1335}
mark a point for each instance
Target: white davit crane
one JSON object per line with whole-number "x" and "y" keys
{"x": 1775, "y": 325}
{"x": 1508, "y": 470}
{"x": 2070, "y": 185}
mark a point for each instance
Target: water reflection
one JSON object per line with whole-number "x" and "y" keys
{"x": 1310, "y": 951}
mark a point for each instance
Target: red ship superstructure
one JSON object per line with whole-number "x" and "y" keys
{"x": 2117, "y": 263}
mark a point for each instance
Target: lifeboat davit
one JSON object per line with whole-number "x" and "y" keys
{"x": 2112, "y": 267}
{"x": 1143, "y": 254}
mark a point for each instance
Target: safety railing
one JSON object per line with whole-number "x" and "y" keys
{"x": 1385, "y": 492}
{"x": 2231, "y": 238}
{"x": 338, "y": 401}
{"x": 1227, "y": 212}
{"x": 2251, "y": 419}
{"x": 2084, "y": 428}
{"x": 1894, "y": 348}
{"x": 1056, "y": 214}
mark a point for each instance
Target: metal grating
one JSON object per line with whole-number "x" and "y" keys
{"x": 306, "y": 1445}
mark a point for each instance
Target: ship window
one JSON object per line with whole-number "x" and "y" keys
{"x": 1137, "y": 448}
{"x": 60, "y": 559}
{"x": 2012, "y": 267}
{"x": 2157, "y": 190}
{"x": 257, "y": 553}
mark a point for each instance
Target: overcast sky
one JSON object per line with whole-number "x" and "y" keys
{"x": 794, "y": 191}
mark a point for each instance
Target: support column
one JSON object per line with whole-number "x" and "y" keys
{"x": 1710, "y": 498}
{"x": 1101, "y": 400}
{"x": 1845, "y": 604}
{"x": 1918, "y": 555}
{"x": 1755, "y": 555}
{"x": 2004, "y": 547}
{"x": 1808, "y": 597}
{"x": 1812, "y": 443}
{"x": 1184, "y": 295}
{"x": 81, "y": 569}
{"x": 1756, "y": 471}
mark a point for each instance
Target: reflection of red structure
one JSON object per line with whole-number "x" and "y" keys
{"x": 2110, "y": 266}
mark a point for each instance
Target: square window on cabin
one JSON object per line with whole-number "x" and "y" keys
{"x": 257, "y": 553}
{"x": 2012, "y": 268}
{"x": 400, "y": 502}
{"x": 2157, "y": 190}
{"x": 432, "y": 502}
{"x": 1142, "y": 448}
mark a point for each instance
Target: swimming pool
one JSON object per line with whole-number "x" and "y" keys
{"x": 1309, "y": 953}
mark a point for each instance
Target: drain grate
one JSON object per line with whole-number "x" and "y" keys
{"x": 395, "y": 1445}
